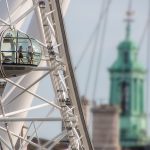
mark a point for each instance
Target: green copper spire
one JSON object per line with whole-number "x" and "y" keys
{"x": 128, "y": 31}
{"x": 127, "y": 92}
{"x": 128, "y": 20}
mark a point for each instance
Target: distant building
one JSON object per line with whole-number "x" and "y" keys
{"x": 61, "y": 146}
{"x": 106, "y": 127}
{"x": 86, "y": 108}
{"x": 58, "y": 146}
{"x": 127, "y": 93}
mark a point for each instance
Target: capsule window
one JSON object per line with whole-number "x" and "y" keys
{"x": 8, "y": 48}
{"x": 23, "y": 42}
{"x": 19, "y": 48}
{"x": 19, "y": 53}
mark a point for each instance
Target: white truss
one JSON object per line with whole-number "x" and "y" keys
{"x": 62, "y": 78}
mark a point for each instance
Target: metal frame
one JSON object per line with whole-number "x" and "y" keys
{"x": 66, "y": 94}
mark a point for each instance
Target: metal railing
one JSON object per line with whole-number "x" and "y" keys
{"x": 12, "y": 57}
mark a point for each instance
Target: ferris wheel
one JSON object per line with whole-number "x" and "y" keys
{"x": 39, "y": 100}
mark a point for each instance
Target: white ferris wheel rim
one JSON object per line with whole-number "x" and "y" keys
{"x": 19, "y": 83}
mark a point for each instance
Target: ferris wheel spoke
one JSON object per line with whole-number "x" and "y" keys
{"x": 6, "y": 124}
{"x": 12, "y": 89}
{"x": 36, "y": 133}
{"x": 25, "y": 110}
{"x": 5, "y": 143}
{"x": 25, "y": 135}
{"x": 20, "y": 137}
{"x": 13, "y": 23}
{"x": 16, "y": 119}
{"x": 9, "y": 135}
{"x": 3, "y": 21}
{"x": 55, "y": 140}
{"x": 31, "y": 85}
{"x": 25, "y": 14}
{"x": 37, "y": 96}
{"x": 24, "y": 144}
{"x": 8, "y": 12}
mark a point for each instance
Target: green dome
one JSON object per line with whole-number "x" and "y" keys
{"x": 118, "y": 66}
{"x": 127, "y": 45}
{"x": 130, "y": 64}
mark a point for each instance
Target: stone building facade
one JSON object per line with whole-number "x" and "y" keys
{"x": 106, "y": 128}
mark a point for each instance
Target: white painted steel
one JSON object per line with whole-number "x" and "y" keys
{"x": 33, "y": 28}
{"x": 63, "y": 79}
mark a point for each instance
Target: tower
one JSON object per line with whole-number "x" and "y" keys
{"x": 127, "y": 92}
{"x": 86, "y": 108}
{"x": 106, "y": 127}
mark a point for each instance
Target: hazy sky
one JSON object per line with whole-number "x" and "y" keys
{"x": 81, "y": 20}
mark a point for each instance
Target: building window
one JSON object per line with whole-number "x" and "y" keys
{"x": 124, "y": 97}
{"x": 126, "y": 57}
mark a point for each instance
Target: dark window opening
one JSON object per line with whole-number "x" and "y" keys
{"x": 124, "y": 97}
{"x": 126, "y": 57}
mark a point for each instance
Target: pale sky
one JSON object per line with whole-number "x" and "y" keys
{"x": 81, "y": 19}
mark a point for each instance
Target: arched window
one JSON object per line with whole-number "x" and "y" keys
{"x": 124, "y": 96}
{"x": 126, "y": 57}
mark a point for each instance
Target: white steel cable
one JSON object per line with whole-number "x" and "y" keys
{"x": 28, "y": 91}
{"x": 84, "y": 51}
{"x": 31, "y": 85}
{"x": 100, "y": 52}
{"x": 37, "y": 128}
{"x": 8, "y": 10}
{"x": 20, "y": 137}
{"x": 103, "y": 9}
{"x": 6, "y": 125}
